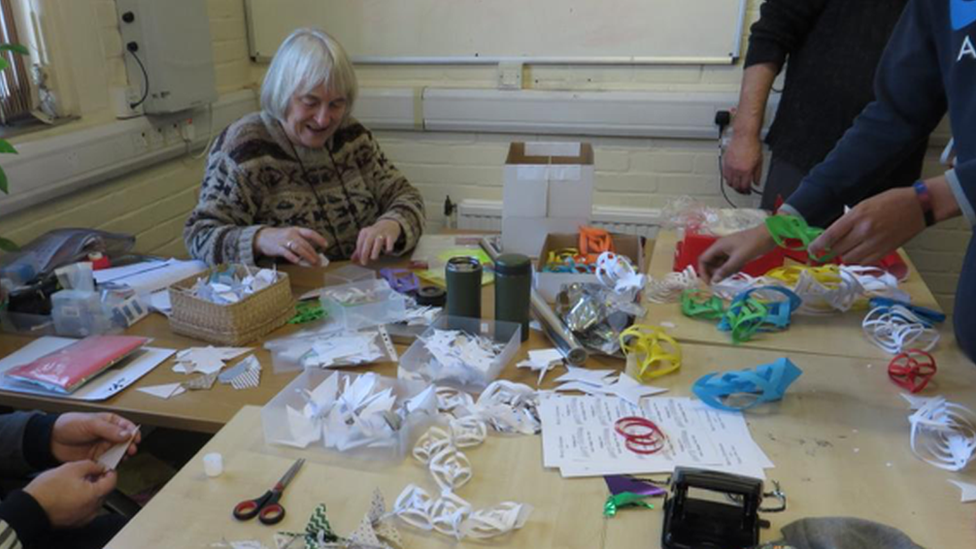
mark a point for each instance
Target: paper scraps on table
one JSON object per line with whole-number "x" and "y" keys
{"x": 542, "y": 360}
{"x": 206, "y": 360}
{"x": 422, "y": 315}
{"x": 227, "y": 286}
{"x": 166, "y": 390}
{"x": 618, "y": 273}
{"x": 201, "y": 383}
{"x": 113, "y": 456}
{"x": 622, "y": 500}
{"x": 943, "y": 434}
{"x": 728, "y": 288}
{"x": 348, "y": 411}
{"x": 245, "y": 375}
{"x": 597, "y": 382}
{"x": 743, "y": 389}
{"x": 968, "y": 490}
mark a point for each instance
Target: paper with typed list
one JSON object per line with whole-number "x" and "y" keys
{"x": 578, "y": 437}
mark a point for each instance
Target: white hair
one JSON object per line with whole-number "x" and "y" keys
{"x": 307, "y": 59}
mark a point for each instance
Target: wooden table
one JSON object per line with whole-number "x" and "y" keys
{"x": 839, "y": 441}
{"x": 836, "y": 335}
{"x": 208, "y": 411}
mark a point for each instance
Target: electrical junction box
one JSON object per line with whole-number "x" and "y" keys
{"x": 172, "y": 40}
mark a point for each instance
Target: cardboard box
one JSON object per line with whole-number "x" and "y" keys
{"x": 548, "y": 188}
{"x": 549, "y": 284}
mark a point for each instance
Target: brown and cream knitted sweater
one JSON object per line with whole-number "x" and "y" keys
{"x": 254, "y": 180}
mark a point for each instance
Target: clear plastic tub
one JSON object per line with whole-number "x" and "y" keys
{"x": 295, "y": 352}
{"x": 363, "y": 304}
{"x": 392, "y": 449}
{"x": 418, "y": 364}
{"x": 81, "y": 313}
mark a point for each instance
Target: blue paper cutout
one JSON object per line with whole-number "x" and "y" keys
{"x": 778, "y": 312}
{"x": 924, "y": 313}
{"x": 767, "y": 382}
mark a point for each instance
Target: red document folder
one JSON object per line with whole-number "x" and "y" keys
{"x": 70, "y": 367}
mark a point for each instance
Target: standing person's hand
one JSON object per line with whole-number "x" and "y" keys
{"x": 298, "y": 245}
{"x": 874, "y": 227}
{"x": 72, "y": 494}
{"x": 742, "y": 163}
{"x": 376, "y": 240}
{"x": 87, "y": 436}
{"x": 730, "y": 253}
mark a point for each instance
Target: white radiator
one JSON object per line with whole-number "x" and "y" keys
{"x": 486, "y": 215}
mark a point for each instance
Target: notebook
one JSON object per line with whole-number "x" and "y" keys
{"x": 70, "y": 367}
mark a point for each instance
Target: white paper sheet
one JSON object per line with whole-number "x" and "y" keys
{"x": 166, "y": 390}
{"x": 105, "y": 385}
{"x": 578, "y": 437}
{"x": 150, "y": 276}
{"x": 111, "y": 458}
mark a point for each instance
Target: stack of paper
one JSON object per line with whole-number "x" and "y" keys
{"x": 344, "y": 348}
{"x": 578, "y": 437}
{"x": 151, "y": 278}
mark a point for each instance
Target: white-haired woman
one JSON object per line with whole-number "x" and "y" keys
{"x": 302, "y": 176}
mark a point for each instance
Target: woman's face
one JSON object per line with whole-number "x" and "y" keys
{"x": 312, "y": 118}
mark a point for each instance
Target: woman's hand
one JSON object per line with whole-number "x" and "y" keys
{"x": 730, "y": 253}
{"x": 298, "y": 245}
{"x": 375, "y": 240}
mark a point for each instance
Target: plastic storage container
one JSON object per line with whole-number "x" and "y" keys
{"x": 415, "y": 364}
{"x": 80, "y": 313}
{"x": 289, "y": 353}
{"x": 363, "y": 304}
{"x": 276, "y": 423}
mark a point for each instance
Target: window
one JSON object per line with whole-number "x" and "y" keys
{"x": 15, "y": 92}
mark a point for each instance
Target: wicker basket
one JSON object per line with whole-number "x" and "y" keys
{"x": 236, "y": 324}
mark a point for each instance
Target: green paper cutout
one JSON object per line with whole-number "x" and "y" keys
{"x": 624, "y": 499}
{"x": 698, "y": 304}
{"x": 784, "y": 228}
{"x": 307, "y": 311}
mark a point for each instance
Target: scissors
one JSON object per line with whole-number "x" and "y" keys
{"x": 266, "y": 507}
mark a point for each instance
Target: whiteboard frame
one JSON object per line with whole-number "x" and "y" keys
{"x": 732, "y": 58}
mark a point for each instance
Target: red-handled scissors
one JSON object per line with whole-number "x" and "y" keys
{"x": 266, "y": 507}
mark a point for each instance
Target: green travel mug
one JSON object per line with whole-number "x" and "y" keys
{"x": 463, "y": 276}
{"x": 513, "y": 290}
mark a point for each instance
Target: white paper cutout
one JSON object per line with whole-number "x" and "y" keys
{"x": 166, "y": 390}
{"x": 454, "y": 352}
{"x": 818, "y": 298}
{"x": 585, "y": 375}
{"x": 508, "y": 407}
{"x": 896, "y": 329}
{"x": 431, "y": 443}
{"x": 669, "y": 288}
{"x": 617, "y": 273}
{"x": 542, "y": 360}
{"x": 968, "y": 490}
{"x": 250, "y": 376}
{"x": 206, "y": 360}
{"x": 111, "y": 458}
{"x": 944, "y": 434}
{"x": 730, "y": 287}
{"x": 468, "y": 431}
{"x": 622, "y": 386}
{"x": 450, "y": 469}
{"x": 876, "y": 282}
{"x": 449, "y": 398}
{"x": 345, "y": 348}
{"x": 231, "y": 288}
{"x": 497, "y": 520}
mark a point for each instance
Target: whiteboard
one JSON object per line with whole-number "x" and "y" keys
{"x": 493, "y": 31}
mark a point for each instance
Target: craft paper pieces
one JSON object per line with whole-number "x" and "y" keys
{"x": 111, "y": 458}
{"x": 895, "y": 329}
{"x": 167, "y": 390}
{"x": 618, "y": 273}
{"x": 668, "y": 289}
{"x": 455, "y": 350}
{"x": 348, "y": 412}
{"x": 246, "y": 375}
{"x": 618, "y": 484}
{"x": 623, "y": 386}
{"x": 765, "y": 383}
{"x": 968, "y": 490}
{"x": 344, "y": 348}
{"x": 729, "y": 287}
{"x": 226, "y": 287}
{"x": 542, "y": 360}
{"x": 584, "y": 375}
{"x": 206, "y": 360}
{"x": 656, "y": 352}
{"x": 943, "y": 434}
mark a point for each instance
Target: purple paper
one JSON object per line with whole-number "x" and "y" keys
{"x": 620, "y": 483}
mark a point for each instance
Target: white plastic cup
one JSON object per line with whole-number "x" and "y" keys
{"x": 213, "y": 464}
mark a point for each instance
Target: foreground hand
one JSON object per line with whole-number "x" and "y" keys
{"x": 873, "y": 228}
{"x": 298, "y": 245}
{"x": 742, "y": 163}
{"x": 87, "y": 436}
{"x": 730, "y": 253}
{"x": 375, "y": 240}
{"x": 72, "y": 494}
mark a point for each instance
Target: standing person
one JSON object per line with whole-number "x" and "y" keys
{"x": 833, "y": 48}
{"x": 303, "y": 177}
{"x": 928, "y": 67}
{"x": 60, "y": 506}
